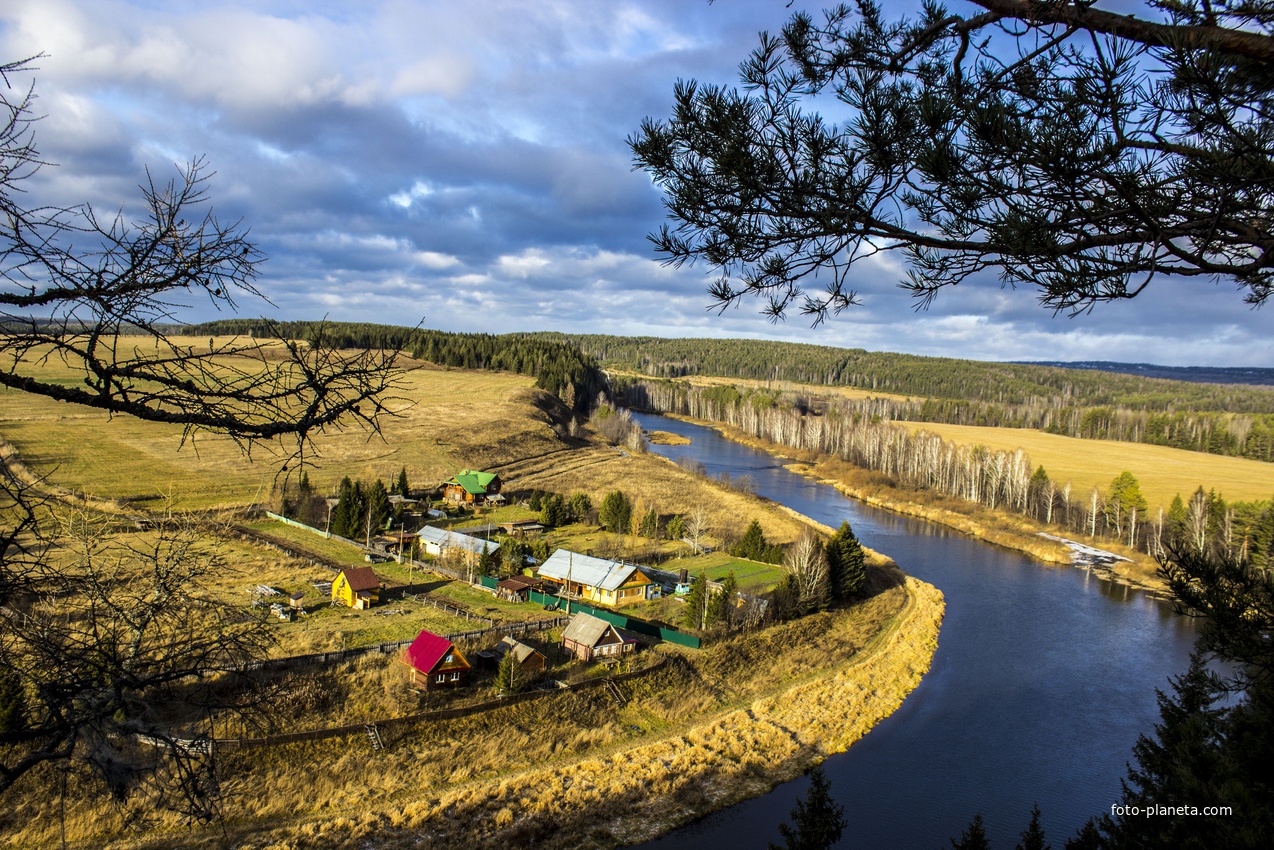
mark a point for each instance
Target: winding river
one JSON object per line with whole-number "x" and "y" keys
{"x": 1043, "y": 679}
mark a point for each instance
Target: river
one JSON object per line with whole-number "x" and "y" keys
{"x": 1043, "y": 678}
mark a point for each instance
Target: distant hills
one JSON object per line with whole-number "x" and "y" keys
{"x": 1196, "y": 374}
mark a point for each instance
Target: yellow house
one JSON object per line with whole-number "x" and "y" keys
{"x": 356, "y": 587}
{"x": 597, "y": 579}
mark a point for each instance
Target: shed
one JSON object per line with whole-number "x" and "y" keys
{"x": 587, "y": 637}
{"x": 531, "y": 659}
{"x": 357, "y": 587}
{"x": 517, "y": 588}
{"x": 435, "y": 662}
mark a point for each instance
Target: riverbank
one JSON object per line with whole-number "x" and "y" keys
{"x": 1011, "y": 531}
{"x": 707, "y": 730}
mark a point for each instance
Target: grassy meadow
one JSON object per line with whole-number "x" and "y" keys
{"x": 1162, "y": 472}
{"x": 443, "y": 420}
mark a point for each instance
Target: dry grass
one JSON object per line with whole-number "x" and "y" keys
{"x": 446, "y": 420}
{"x": 660, "y": 483}
{"x": 707, "y": 730}
{"x": 1162, "y": 472}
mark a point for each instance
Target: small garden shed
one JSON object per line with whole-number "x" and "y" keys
{"x": 357, "y": 587}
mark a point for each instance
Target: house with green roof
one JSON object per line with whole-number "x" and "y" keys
{"x": 472, "y": 487}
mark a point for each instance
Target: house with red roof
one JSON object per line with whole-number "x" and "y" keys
{"x": 435, "y": 662}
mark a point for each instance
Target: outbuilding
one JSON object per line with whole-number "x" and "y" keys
{"x": 356, "y": 587}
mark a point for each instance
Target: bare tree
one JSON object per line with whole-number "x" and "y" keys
{"x": 80, "y": 289}
{"x": 697, "y": 527}
{"x": 122, "y": 653}
{"x": 807, "y": 561}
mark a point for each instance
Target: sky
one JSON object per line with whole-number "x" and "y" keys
{"x": 464, "y": 166}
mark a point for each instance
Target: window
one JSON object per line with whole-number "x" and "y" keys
{"x": 449, "y": 657}
{"x": 442, "y": 677}
{"x": 455, "y": 677}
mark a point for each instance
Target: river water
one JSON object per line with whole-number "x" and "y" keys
{"x": 1043, "y": 678}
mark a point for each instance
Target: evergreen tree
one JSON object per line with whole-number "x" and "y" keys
{"x": 486, "y": 562}
{"x": 616, "y": 512}
{"x": 846, "y": 563}
{"x": 378, "y": 507}
{"x": 785, "y": 598}
{"x": 696, "y": 611}
{"x": 721, "y": 605}
{"x": 581, "y": 506}
{"x": 752, "y": 545}
{"x": 974, "y": 837}
{"x": 554, "y": 512}
{"x": 510, "y": 678}
{"x": 536, "y": 502}
{"x": 817, "y": 821}
{"x": 1033, "y": 835}
{"x": 401, "y": 487}
{"x": 650, "y": 524}
{"x": 348, "y": 514}
{"x": 676, "y": 528}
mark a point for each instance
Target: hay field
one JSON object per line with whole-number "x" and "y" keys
{"x": 446, "y": 419}
{"x": 1163, "y": 472}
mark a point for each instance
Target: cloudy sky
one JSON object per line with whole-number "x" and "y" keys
{"x": 464, "y": 165}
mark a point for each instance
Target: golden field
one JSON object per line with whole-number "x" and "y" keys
{"x": 1162, "y": 472}
{"x": 444, "y": 420}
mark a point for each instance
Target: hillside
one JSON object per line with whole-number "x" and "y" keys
{"x": 1225, "y": 419}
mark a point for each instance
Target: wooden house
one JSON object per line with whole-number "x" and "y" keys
{"x": 597, "y": 579}
{"x": 588, "y": 637}
{"x": 521, "y": 528}
{"x": 357, "y": 587}
{"x": 435, "y": 662}
{"x": 531, "y": 659}
{"x": 472, "y": 487}
{"x": 440, "y": 543}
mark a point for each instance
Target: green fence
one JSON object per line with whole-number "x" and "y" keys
{"x": 488, "y": 581}
{"x": 631, "y": 624}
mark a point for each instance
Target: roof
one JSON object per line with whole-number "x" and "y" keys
{"x": 453, "y": 540}
{"x": 426, "y": 651}
{"x": 585, "y": 569}
{"x": 587, "y": 629}
{"x": 520, "y": 650}
{"x": 519, "y": 583}
{"x": 361, "y": 578}
{"x": 474, "y": 482}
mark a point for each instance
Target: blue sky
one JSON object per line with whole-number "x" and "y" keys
{"x": 464, "y": 165}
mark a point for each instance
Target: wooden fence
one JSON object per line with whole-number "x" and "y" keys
{"x": 523, "y": 628}
{"x": 426, "y": 716}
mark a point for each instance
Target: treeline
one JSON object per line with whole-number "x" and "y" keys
{"x": 1229, "y": 419}
{"x": 993, "y": 478}
{"x": 558, "y": 367}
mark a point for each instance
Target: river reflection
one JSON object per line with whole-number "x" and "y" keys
{"x": 1043, "y": 679}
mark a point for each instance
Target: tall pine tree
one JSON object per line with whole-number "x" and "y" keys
{"x": 846, "y": 563}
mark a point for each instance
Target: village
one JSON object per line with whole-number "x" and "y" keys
{"x": 472, "y": 597}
